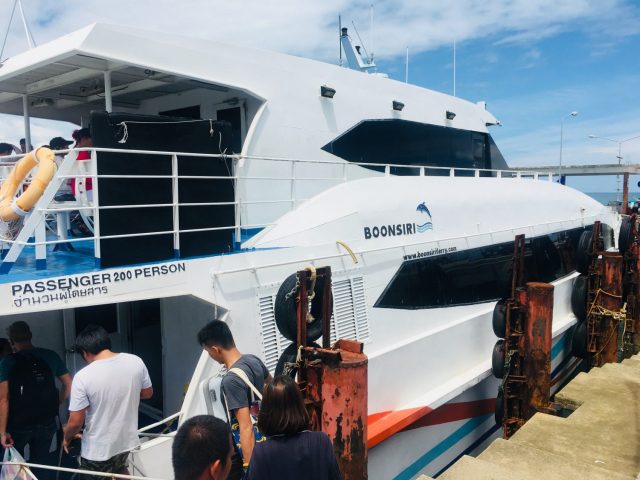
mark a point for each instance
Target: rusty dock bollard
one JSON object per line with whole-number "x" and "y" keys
{"x": 605, "y": 341}
{"x": 335, "y": 390}
{"x": 537, "y": 364}
{"x": 333, "y": 381}
{"x": 522, "y": 358}
{"x": 631, "y": 342}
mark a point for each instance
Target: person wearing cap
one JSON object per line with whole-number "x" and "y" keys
{"x": 7, "y": 149}
{"x": 59, "y": 143}
{"x": 29, "y": 396}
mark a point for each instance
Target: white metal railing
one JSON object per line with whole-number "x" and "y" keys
{"x": 75, "y": 471}
{"x": 69, "y": 168}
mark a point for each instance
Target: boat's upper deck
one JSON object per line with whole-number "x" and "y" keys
{"x": 159, "y": 206}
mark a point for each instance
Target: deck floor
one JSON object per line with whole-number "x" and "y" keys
{"x": 60, "y": 261}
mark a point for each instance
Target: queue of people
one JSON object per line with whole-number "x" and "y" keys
{"x": 103, "y": 409}
{"x": 265, "y": 437}
{"x": 278, "y": 445}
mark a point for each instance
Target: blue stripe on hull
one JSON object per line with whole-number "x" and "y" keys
{"x": 442, "y": 447}
{"x": 562, "y": 344}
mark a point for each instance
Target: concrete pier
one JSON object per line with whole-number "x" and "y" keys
{"x": 600, "y": 439}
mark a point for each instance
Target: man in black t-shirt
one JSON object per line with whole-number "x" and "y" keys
{"x": 29, "y": 397}
{"x": 216, "y": 339}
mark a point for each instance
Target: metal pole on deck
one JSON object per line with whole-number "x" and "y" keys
{"x": 625, "y": 192}
{"x": 27, "y": 122}
{"x": 108, "y": 100}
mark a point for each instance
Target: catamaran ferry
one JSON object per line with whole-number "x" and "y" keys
{"x": 217, "y": 171}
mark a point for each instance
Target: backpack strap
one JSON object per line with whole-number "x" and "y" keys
{"x": 243, "y": 376}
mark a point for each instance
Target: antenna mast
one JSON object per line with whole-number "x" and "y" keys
{"x": 454, "y": 67}
{"x": 31, "y": 42}
{"x": 27, "y": 32}
{"x": 406, "y": 67}
{"x": 340, "y": 38}
{"x": 371, "y": 32}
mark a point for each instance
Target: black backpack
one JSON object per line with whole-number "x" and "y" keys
{"x": 33, "y": 396}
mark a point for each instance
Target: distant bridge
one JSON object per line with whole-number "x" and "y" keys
{"x": 582, "y": 170}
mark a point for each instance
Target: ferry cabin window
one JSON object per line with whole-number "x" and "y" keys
{"x": 479, "y": 274}
{"x": 411, "y": 143}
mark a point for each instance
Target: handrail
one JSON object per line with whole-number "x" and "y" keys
{"x": 78, "y": 470}
{"x": 67, "y": 165}
{"x": 160, "y": 422}
{"x": 406, "y": 245}
{"x": 282, "y": 159}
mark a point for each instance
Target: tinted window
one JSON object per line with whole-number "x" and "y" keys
{"x": 411, "y": 143}
{"x": 479, "y": 274}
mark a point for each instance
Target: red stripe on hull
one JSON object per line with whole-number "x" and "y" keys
{"x": 383, "y": 425}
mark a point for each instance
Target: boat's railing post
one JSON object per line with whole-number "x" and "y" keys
{"x": 237, "y": 198}
{"x": 96, "y": 209}
{"x": 31, "y": 221}
{"x": 535, "y": 176}
{"x": 387, "y": 170}
{"x": 176, "y": 208}
{"x": 550, "y": 176}
{"x": 41, "y": 238}
{"x": 476, "y": 173}
{"x": 293, "y": 184}
{"x": 499, "y": 174}
{"x": 422, "y": 171}
{"x": 452, "y": 172}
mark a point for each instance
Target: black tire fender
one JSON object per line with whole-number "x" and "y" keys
{"x": 285, "y": 310}
{"x": 499, "y": 414}
{"x": 289, "y": 355}
{"x": 499, "y": 319}
{"x": 497, "y": 359}
{"x": 625, "y": 235}
{"x": 583, "y": 252}
{"x": 579, "y": 341}
{"x": 579, "y": 298}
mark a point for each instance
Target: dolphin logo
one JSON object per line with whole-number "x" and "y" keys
{"x": 423, "y": 208}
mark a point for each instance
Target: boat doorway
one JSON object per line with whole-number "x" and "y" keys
{"x": 134, "y": 327}
{"x": 236, "y": 117}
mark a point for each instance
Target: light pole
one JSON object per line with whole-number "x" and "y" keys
{"x": 572, "y": 114}
{"x": 619, "y": 157}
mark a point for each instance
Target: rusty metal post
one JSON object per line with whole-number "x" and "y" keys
{"x": 625, "y": 193}
{"x": 538, "y": 346}
{"x": 301, "y": 315}
{"x": 635, "y": 248}
{"x": 327, "y": 306}
{"x": 336, "y": 391}
{"x": 611, "y": 299}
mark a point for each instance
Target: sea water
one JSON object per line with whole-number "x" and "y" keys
{"x": 610, "y": 197}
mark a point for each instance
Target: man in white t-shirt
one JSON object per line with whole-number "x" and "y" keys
{"x": 105, "y": 396}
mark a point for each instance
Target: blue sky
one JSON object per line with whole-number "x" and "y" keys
{"x": 532, "y": 61}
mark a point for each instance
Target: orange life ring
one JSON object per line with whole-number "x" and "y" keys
{"x": 11, "y": 208}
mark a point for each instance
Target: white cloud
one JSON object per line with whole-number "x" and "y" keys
{"x": 310, "y": 28}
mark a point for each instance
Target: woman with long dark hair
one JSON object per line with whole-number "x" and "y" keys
{"x": 291, "y": 450}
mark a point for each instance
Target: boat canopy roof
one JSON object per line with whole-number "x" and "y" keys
{"x": 65, "y": 79}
